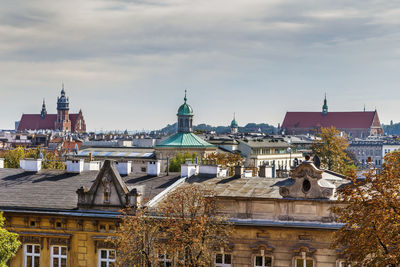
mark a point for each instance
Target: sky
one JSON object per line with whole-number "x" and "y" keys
{"x": 126, "y": 64}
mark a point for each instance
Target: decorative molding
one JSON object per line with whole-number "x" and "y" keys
{"x": 261, "y": 245}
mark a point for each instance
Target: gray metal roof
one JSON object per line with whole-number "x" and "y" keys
{"x": 53, "y": 189}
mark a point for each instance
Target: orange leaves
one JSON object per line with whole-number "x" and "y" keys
{"x": 371, "y": 235}
{"x": 185, "y": 226}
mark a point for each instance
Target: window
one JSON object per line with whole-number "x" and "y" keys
{"x": 165, "y": 260}
{"x": 303, "y": 262}
{"x": 262, "y": 261}
{"x": 223, "y": 260}
{"x": 106, "y": 258}
{"x": 58, "y": 256}
{"x": 32, "y": 255}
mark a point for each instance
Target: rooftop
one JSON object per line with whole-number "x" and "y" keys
{"x": 183, "y": 140}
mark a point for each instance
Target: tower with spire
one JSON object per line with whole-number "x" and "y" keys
{"x": 185, "y": 117}
{"x": 234, "y": 125}
{"x": 43, "y": 113}
{"x": 63, "y": 122}
{"x": 325, "y": 107}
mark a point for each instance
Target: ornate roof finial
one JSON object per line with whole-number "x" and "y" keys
{"x": 185, "y": 96}
{"x": 62, "y": 90}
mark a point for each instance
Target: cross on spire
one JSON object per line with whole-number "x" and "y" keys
{"x": 185, "y": 96}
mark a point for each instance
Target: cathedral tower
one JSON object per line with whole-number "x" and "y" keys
{"x": 63, "y": 122}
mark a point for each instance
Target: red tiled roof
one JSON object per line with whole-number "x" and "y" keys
{"x": 340, "y": 120}
{"x": 35, "y": 122}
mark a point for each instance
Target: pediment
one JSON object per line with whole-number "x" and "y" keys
{"x": 307, "y": 183}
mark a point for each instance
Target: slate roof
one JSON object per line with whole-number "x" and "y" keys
{"x": 182, "y": 140}
{"x": 341, "y": 120}
{"x": 53, "y": 189}
{"x": 35, "y": 121}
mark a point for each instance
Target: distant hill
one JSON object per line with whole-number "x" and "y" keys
{"x": 250, "y": 127}
{"x": 391, "y": 129}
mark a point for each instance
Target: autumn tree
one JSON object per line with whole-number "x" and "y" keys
{"x": 9, "y": 243}
{"x": 185, "y": 226}
{"x": 330, "y": 147}
{"x": 371, "y": 216}
{"x": 229, "y": 160}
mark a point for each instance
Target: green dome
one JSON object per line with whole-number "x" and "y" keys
{"x": 234, "y": 124}
{"x": 185, "y": 109}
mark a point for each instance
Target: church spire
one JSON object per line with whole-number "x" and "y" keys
{"x": 44, "y": 111}
{"x": 325, "y": 107}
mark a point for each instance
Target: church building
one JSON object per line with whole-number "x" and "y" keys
{"x": 62, "y": 121}
{"x": 356, "y": 124}
{"x": 184, "y": 140}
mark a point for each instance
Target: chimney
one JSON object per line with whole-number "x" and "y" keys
{"x": 1, "y": 163}
{"x": 238, "y": 171}
{"x": 124, "y": 167}
{"x": 30, "y": 165}
{"x": 92, "y": 166}
{"x": 153, "y": 168}
{"x": 209, "y": 167}
{"x": 75, "y": 165}
{"x": 189, "y": 169}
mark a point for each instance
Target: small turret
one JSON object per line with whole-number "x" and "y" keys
{"x": 325, "y": 107}
{"x": 234, "y": 125}
{"x": 43, "y": 113}
{"x": 185, "y": 117}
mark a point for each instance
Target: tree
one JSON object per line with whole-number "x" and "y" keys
{"x": 229, "y": 160}
{"x": 185, "y": 226}
{"x": 9, "y": 243}
{"x": 50, "y": 161}
{"x": 179, "y": 159}
{"x": 371, "y": 216}
{"x": 331, "y": 149}
{"x": 12, "y": 157}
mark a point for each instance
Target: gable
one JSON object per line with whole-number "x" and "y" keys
{"x": 108, "y": 191}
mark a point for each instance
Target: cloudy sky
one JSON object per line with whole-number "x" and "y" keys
{"x": 126, "y": 64}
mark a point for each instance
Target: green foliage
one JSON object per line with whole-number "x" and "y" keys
{"x": 50, "y": 161}
{"x": 12, "y": 157}
{"x": 9, "y": 243}
{"x": 179, "y": 159}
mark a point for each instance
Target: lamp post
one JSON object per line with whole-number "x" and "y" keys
{"x": 289, "y": 150}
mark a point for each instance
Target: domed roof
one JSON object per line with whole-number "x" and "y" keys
{"x": 185, "y": 109}
{"x": 234, "y": 124}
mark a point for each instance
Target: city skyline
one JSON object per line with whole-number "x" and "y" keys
{"x": 127, "y": 64}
